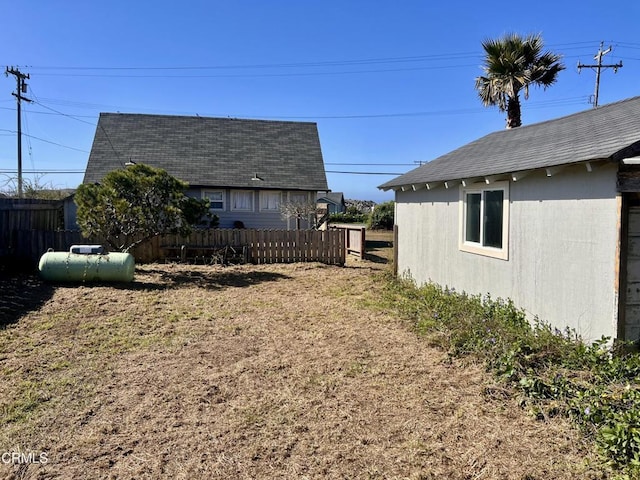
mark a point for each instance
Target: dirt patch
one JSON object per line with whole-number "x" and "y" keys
{"x": 287, "y": 371}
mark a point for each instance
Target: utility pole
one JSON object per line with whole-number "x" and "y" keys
{"x": 21, "y": 88}
{"x": 599, "y": 66}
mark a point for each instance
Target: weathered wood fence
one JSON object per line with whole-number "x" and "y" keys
{"x": 354, "y": 238}
{"x": 261, "y": 246}
{"x": 27, "y": 214}
{"x": 30, "y": 213}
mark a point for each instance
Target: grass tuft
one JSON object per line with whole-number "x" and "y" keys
{"x": 555, "y": 372}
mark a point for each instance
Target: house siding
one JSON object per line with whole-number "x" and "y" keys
{"x": 563, "y": 238}
{"x": 256, "y": 219}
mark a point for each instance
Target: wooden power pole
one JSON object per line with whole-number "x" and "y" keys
{"x": 21, "y": 88}
{"x": 598, "y": 67}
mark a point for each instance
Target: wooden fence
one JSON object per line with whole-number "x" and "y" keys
{"x": 27, "y": 214}
{"x": 354, "y": 238}
{"x": 259, "y": 246}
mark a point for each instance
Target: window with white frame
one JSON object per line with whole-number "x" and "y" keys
{"x": 270, "y": 201}
{"x": 484, "y": 219}
{"x": 216, "y": 199}
{"x": 242, "y": 200}
{"x": 298, "y": 197}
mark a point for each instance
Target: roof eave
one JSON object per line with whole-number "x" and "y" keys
{"x": 514, "y": 176}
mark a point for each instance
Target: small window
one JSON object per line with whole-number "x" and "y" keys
{"x": 298, "y": 197}
{"x": 270, "y": 201}
{"x": 484, "y": 220}
{"x": 472, "y": 223}
{"x": 216, "y": 199}
{"x": 242, "y": 200}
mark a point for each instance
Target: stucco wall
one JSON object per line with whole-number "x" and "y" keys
{"x": 562, "y": 247}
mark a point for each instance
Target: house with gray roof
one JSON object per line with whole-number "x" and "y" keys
{"x": 246, "y": 168}
{"x": 333, "y": 202}
{"x": 547, "y": 215}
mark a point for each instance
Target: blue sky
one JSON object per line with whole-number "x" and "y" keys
{"x": 390, "y": 84}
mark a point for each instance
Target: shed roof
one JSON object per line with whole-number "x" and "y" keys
{"x": 211, "y": 152}
{"x": 601, "y": 133}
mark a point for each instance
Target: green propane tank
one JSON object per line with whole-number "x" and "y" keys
{"x": 86, "y": 263}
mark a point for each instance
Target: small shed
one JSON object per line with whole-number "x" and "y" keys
{"x": 547, "y": 215}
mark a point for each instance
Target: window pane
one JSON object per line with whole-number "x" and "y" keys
{"x": 493, "y": 200}
{"x": 215, "y": 200}
{"x": 472, "y": 227}
{"x": 298, "y": 197}
{"x": 242, "y": 201}
{"x": 270, "y": 200}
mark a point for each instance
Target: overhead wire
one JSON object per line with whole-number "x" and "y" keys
{"x": 475, "y": 110}
{"x": 49, "y": 171}
{"x": 25, "y": 118}
{"x": 256, "y": 75}
{"x": 183, "y": 70}
{"x": 323, "y": 64}
{"x": 362, "y": 173}
{"x": 84, "y": 121}
{"x": 365, "y": 61}
{"x": 45, "y": 140}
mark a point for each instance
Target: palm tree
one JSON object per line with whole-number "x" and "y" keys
{"x": 511, "y": 64}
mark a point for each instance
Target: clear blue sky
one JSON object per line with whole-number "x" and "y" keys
{"x": 390, "y": 84}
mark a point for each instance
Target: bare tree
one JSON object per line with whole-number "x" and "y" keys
{"x": 300, "y": 211}
{"x": 31, "y": 188}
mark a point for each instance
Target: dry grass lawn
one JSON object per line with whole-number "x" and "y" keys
{"x": 253, "y": 372}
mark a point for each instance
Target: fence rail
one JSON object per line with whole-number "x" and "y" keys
{"x": 354, "y": 238}
{"x": 261, "y": 246}
{"x": 27, "y": 214}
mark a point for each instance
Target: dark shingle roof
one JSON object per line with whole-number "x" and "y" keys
{"x": 593, "y": 134}
{"x": 334, "y": 197}
{"x": 212, "y": 152}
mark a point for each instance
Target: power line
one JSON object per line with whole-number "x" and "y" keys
{"x": 369, "y": 61}
{"x": 57, "y": 112}
{"x": 540, "y": 104}
{"x": 325, "y": 63}
{"x": 256, "y": 75}
{"x": 88, "y": 123}
{"x": 2, "y": 171}
{"x": 82, "y": 171}
{"x": 372, "y": 164}
{"x": 363, "y": 173}
{"x": 46, "y": 141}
{"x": 30, "y": 149}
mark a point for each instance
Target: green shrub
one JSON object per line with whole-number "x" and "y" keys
{"x": 382, "y": 217}
{"x": 595, "y": 385}
{"x": 348, "y": 218}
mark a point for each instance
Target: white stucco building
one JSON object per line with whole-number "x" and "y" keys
{"x": 547, "y": 215}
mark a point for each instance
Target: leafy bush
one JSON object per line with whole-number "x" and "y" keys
{"x": 556, "y": 373}
{"x": 382, "y": 217}
{"x": 348, "y": 218}
{"x": 135, "y": 204}
{"x": 196, "y": 212}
